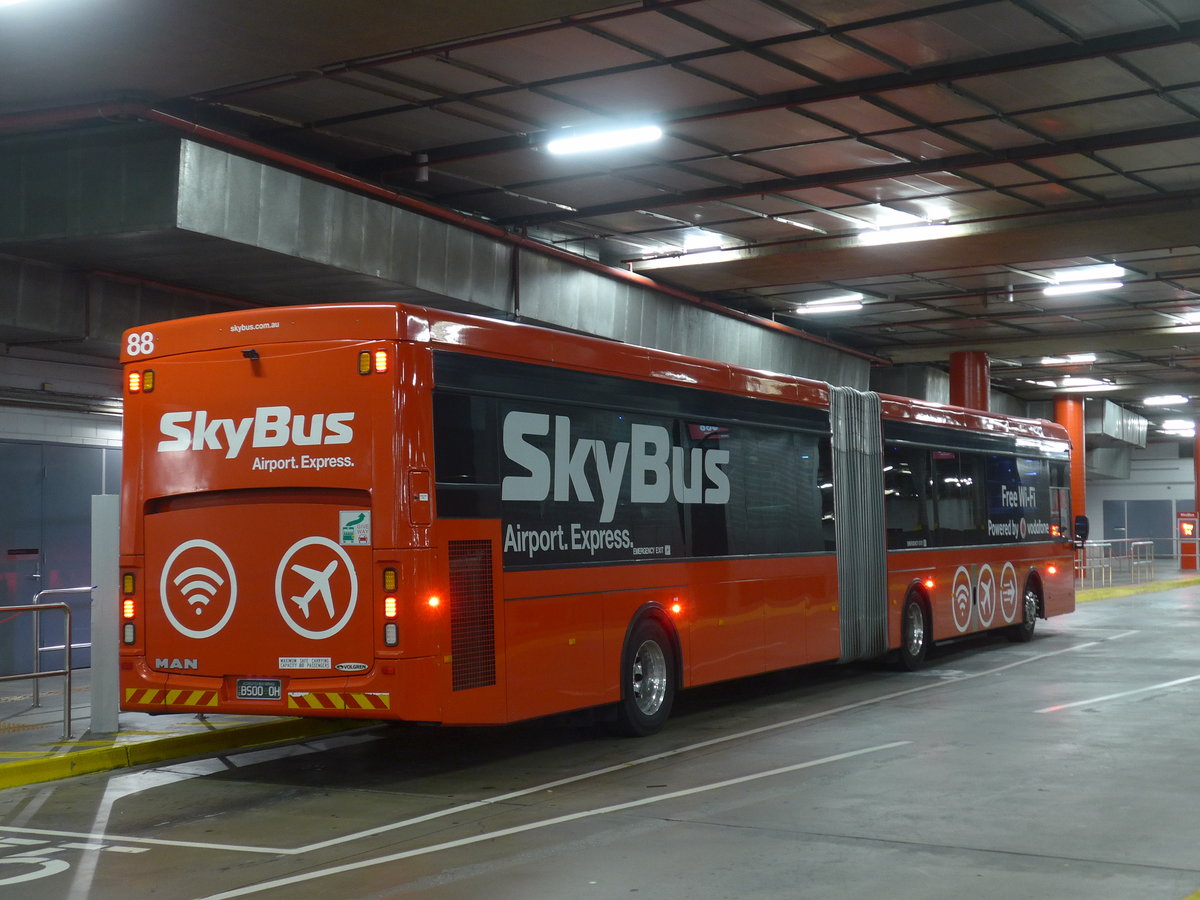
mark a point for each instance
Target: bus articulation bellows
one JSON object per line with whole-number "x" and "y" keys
{"x": 393, "y": 512}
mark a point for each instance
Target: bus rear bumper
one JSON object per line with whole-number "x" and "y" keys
{"x": 400, "y": 689}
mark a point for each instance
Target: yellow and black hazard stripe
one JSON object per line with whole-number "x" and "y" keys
{"x": 190, "y": 699}
{"x": 317, "y": 700}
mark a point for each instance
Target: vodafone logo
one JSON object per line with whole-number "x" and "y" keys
{"x": 198, "y": 589}
{"x": 316, "y": 588}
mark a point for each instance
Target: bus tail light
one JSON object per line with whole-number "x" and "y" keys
{"x": 376, "y": 361}
{"x": 140, "y": 382}
{"x": 128, "y": 608}
{"x": 389, "y": 607}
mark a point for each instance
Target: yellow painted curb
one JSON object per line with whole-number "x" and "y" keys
{"x": 138, "y": 753}
{"x": 1128, "y": 590}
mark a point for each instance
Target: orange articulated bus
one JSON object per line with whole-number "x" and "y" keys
{"x": 386, "y": 511}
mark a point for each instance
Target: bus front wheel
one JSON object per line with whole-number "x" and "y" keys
{"x": 914, "y": 634}
{"x": 647, "y": 680}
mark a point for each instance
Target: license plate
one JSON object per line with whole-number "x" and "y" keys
{"x": 259, "y": 689}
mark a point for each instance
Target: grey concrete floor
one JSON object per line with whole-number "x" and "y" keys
{"x": 1068, "y": 767}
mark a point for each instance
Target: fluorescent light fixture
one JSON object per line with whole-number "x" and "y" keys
{"x": 1069, "y": 359}
{"x": 1178, "y": 425}
{"x": 907, "y": 235}
{"x": 1193, "y": 316}
{"x": 1071, "y": 381}
{"x": 1080, "y": 287}
{"x": 605, "y": 140}
{"x": 1165, "y": 400}
{"x": 701, "y": 240}
{"x": 841, "y": 303}
{"x": 1106, "y": 272}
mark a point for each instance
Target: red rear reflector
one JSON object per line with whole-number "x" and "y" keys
{"x": 135, "y": 382}
{"x": 381, "y": 361}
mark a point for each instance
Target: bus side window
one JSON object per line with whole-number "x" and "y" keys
{"x": 906, "y": 500}
{"x": 465, "y": 456}
{"x": 961, "y": 505}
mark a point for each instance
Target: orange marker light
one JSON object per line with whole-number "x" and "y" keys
{"x": 127, "y": 610}
{"x": 1053, "y": 570}
{"x": 381, "y": 361}
{"x": 677, "y": 607}
{"x": 435, "y": 602}
{"x": 929, "y": 583}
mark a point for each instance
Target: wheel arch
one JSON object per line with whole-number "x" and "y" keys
{"x": 657, "y": 613}
{"x": 916, "y": 588}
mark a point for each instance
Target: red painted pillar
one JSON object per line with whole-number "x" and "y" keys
{"x": 970, "y": 379}
{"x": 1196, "y": 469}
{"x": 1068, "y": 412}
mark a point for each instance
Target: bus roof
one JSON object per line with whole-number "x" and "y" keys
{"x": 533, "y": 343}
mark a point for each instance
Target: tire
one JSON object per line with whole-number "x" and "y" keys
{"x": 914, "y": 634}
{"x": 1022, "y": 633}
{"x": 647, "y": 680}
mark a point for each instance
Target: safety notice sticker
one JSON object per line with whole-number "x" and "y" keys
{"x": 354, "y": 527}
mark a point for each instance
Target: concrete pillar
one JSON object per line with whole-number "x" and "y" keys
{"x": 1068, "y": 412}
{"x": 105, "y": 613}
{"x": 970, "y": 379}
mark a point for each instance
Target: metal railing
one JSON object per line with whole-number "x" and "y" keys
{"x": 38, "y": 608}
{"x": 67, "y": 644}
{"x": 1096, "y": 562}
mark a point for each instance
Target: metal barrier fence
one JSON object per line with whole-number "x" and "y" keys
{"x": 1097, "y": 562}
{"x": 38, "y": 608}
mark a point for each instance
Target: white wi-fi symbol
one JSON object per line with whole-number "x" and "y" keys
{"x": 198, "y": 591}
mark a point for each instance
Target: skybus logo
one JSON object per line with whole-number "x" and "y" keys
{"x": 270, "y": 426}
{"x": 656, "y": 468}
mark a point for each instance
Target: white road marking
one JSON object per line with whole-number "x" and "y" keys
{"x": 1118, "y": 696}
{"x": 545, "y": 823}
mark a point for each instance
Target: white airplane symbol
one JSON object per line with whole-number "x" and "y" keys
{"x": 320, "y": 582}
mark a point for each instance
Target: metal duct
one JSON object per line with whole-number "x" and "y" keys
{"x": 1106, "y": 424}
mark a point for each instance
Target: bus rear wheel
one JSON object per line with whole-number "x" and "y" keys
{"x": 647, "y": 680}
{"x": 914, "y": 634}
{"x": 1022, "y": 632}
